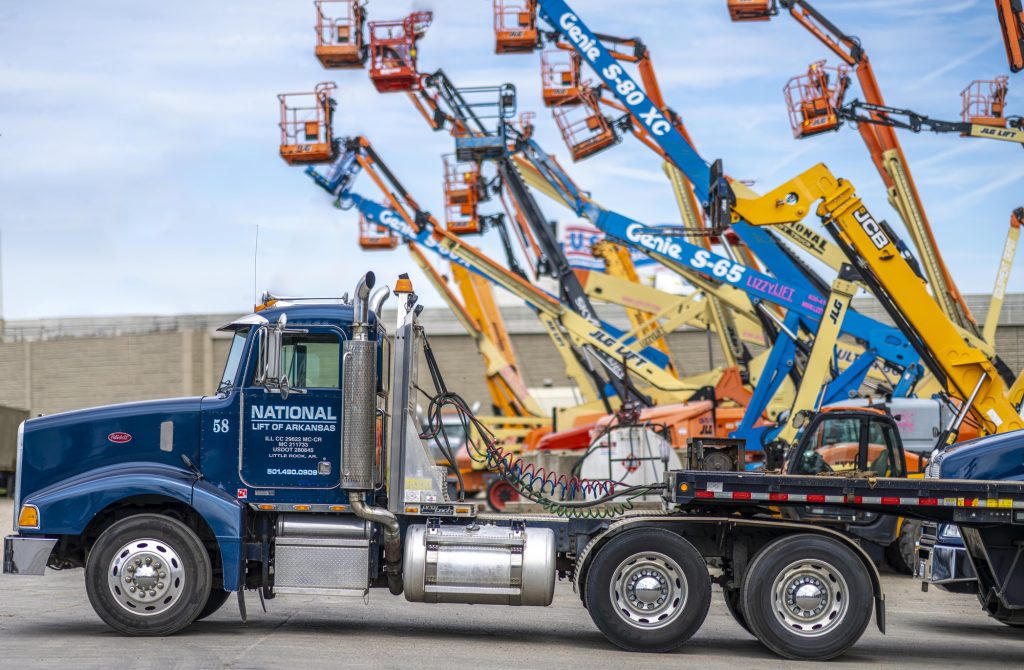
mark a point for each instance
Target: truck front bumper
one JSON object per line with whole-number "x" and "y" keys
{"x": 27, "y": 555}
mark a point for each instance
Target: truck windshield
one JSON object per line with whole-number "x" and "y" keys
{"x": 227, "y": 380}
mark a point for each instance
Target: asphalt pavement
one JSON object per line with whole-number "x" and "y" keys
{"x": 47, "y": 622}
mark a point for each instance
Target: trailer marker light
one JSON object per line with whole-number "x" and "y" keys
{"x": 266, "y": 507}
{"x": 462, "y": 510}
{"x": 29, "y": 517}
{"x": 888, "y": 500}
{"x": 704, "y": 494}
{"x": 684, "y": 487}
{"x": 412, "y": 509}
{"x": 778, "y": 497}
{"x": 301, "y": 508}
{"x": 815, "y": 498}
{"x": 928, "y": 501}
{"x": 741, "y": 495}
{"x": 338, "y": 508}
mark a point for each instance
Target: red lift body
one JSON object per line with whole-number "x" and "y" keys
{"x": 393, "y": 52}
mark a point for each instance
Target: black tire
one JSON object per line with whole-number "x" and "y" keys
{"x": 733, "y": 603}
{"x": 831, "y": 577}
{"x": 681, "y": 603}
{"x": 901, "y": 555}
{"x": 182, "y": 585}
{"x": 499, "y": 493}
{"x": 213, "y": 603}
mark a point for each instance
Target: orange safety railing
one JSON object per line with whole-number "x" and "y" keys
{"x": 515, "y": 26}
{"x": 373, "y": 236}
{"x": 584, "y": 128}
{"x": 339, "y": 33}
{"x": 984, "y": 102}
{"x": 306, "y": 135}
{"x": 559, "y": 75}
{"x": 461, "y": 195}
{"x": 813, "y": 98}
{"x": 393, "y": 51}
{"x": 752, "y": 10}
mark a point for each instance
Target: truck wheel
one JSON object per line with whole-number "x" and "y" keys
{"x": 148, "y": 575}
{"x": 500, "y": 492}
{"x": 807, "y": 597}
{"x": 648, "y": 590}
{"x": 216, "y": 600}
{"x": 733, "y": 603}
{"x": 901, "y": 555}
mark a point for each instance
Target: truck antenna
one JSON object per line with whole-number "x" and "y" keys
{"x": 255, "y": 257}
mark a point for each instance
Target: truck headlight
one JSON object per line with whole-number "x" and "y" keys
{"x": 949, "y": 531}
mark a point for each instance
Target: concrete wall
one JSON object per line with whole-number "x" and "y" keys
{"x": 62, "y": 364}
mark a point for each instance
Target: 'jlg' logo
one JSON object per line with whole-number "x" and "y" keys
{"x": 837, "y": 309}
{"x": 873, "y": 230}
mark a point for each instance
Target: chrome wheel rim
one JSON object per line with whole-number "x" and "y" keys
{"x": 146, "y": 577}
{"x": 648, "y": 590}
{"x": 810, "y": 598}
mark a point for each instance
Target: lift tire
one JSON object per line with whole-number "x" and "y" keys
{"x": 813, "y": 572}
{"x": 733, "y": 603}
{"x": 499, "y": 493}
{"x": 216, "y": 600}
{"x": 157, "y": 552}
{"x": 901, "y": 555}
{"x": 648, "y": 569}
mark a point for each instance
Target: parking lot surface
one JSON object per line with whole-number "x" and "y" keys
{"x": 47, "y": 622}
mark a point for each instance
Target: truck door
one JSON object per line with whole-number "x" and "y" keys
{"x": 295, "y": 441}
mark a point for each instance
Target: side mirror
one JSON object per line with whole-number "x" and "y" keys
{"x": 268, "y": 373}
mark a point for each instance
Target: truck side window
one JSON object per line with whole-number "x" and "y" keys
{"x": 312, "y": 360}
{"x": 227, "y": 380}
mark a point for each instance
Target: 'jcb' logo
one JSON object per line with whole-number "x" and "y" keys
{"x": 873, "y": 230}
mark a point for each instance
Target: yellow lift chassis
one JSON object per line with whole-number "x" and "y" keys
{"x": 967, "y": 371}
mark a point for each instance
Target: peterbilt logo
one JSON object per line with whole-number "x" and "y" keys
{"x": 119, "y": 437}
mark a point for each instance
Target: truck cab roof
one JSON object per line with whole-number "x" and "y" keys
{"x": 330, "y": 313}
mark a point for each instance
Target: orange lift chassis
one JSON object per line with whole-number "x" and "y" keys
{"x": 882, "y": 144}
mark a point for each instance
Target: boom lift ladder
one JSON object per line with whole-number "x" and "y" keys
{"x": 340, "y": 42}
{"x": 1011, "y": 21}
{"x": 885, "y": 150}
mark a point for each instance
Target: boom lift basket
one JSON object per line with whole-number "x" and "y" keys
{"x": 339, "y": 33}
{"x": 461, "y": 195}
{"x": 485, "y": 111}
{"x": 373, "y": 237}
{"x": 559, "y": 75}
{"x": 812, "y": 99}
{"x": 515, "y": 26}
{"x": 584, "y": 128}
{"x": 752, "y": 10}
{"x": 984, "y": 102}
{"x": 393, "y": 51}
{"x": 306, "y": 135}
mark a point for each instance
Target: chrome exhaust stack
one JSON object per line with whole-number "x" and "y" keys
{"x": 359, "y": 429}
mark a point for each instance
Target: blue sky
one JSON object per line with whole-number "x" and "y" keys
{"x": 138, "y": 140}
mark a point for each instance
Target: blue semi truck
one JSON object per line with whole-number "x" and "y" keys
{"x": 307, "y": 473}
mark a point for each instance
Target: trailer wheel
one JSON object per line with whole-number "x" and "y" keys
{"x": 734, "y": 603}
{"x": 648, "y": 590}
{"x": 807, "y": 597}
{"x": 901, "y": 555}
{"x": 216, "y": 600}
{"x": 148, "y": 575}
